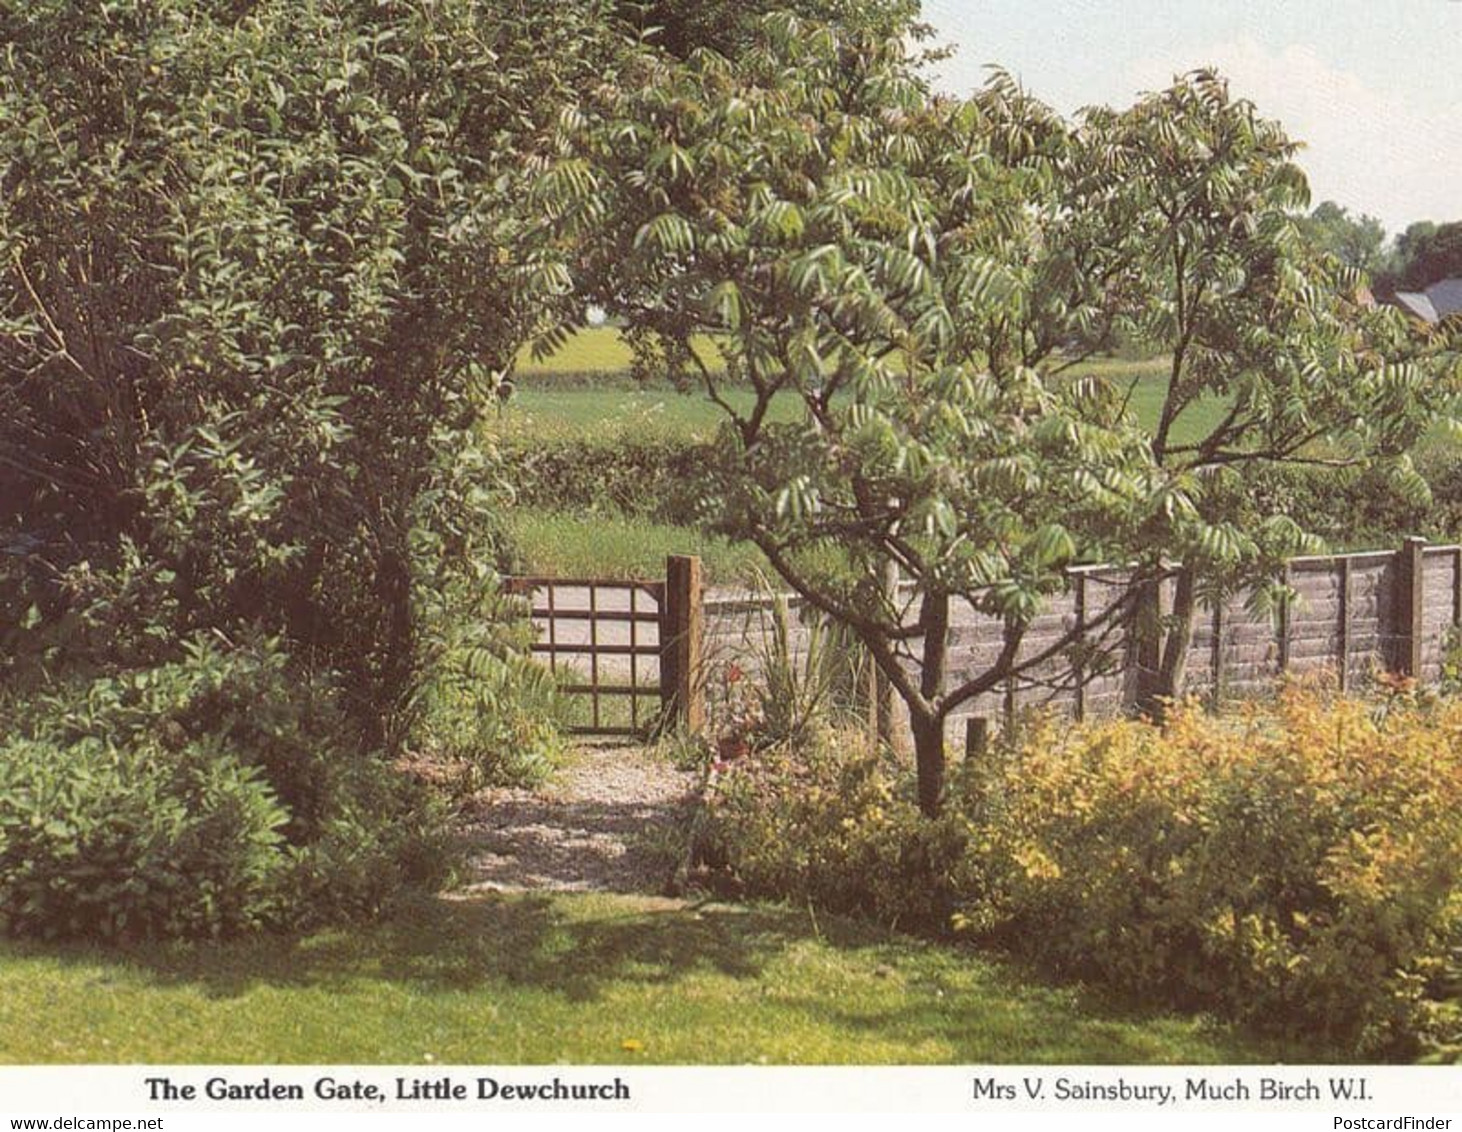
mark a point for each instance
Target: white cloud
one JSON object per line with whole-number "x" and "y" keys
{"x": 1374, "y": 151}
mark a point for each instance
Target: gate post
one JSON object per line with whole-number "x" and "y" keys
{"x": 682, "y": 691}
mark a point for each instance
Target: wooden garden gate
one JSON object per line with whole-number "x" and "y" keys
{"x": 615, "y": 644}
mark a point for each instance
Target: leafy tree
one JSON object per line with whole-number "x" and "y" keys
{"x": 1196, "y": 194}
{"x": 258, "y": 264}
{"x": 916, "y": 274}
{"x": 1431, "y": 256}
{"x": 1424, "y": 254}
{"x": 1357, "y": 243}
{"x": 1409, "y": 242}
{"x": 729, "y": 27}
{"x": 882, "y": 260}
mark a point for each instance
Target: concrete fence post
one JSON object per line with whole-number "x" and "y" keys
{"x": 1079, "y": 674}
{"x": 977, "y": 738}
{"x": 1411, "y": 606}
{"x": 1282, "y": 626}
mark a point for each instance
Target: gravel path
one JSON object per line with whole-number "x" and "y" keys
{"x": 605, "y": 823}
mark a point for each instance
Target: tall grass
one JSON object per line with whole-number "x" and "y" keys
{"x": 809, "y": 675}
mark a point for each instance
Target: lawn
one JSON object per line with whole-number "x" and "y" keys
{"x": 582, "y": 979}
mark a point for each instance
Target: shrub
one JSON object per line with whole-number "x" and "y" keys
{"x": 628, "y": 472}
{"x": 497, "y": 717}
{"x": 387, "y": 837}
{"x": 250, "y": 696}
{"x": 834, "y": 824}
{"x": 1359, "y": 508}
{"x": 101, "y": 841}
{"x": 484, "y": 708}
{"x": 1295, "y": 868}
{"x": 219, "y": 793}
{"x": 279, "y": 385}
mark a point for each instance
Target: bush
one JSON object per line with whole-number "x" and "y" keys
{"x": 215, "y": 794}
{"x": 1359, "y": 508}
{"x": 100, "y": 841}
{"x": 268, "y": 424}
{"x": 387, "y": 838}
{"x": 627, "y": 473}
{"x": 485, "y": 711}
{"x": 831, "y": 823}
{"x": 497, "y": 717}
{"x": 250, "y": 696}
{"x": 1296, "y": 868}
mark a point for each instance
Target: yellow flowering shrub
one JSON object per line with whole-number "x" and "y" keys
{"x": 1296, "y": 865}
{"x": 831, "y": 823}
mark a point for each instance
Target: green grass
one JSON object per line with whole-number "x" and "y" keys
{"x": 599, "y": 391}
{"x": 591, "y": 412}
{"x": 539, "y": 980}
{"x": 595, "y": 412}
{"x": 585, "y": 393}
{"x": 601, "y": 396}
{"x": 623, "y": 546}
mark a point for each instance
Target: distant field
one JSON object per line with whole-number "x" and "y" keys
{"x": 601, "y": 397}
{"x": 598, "y": 350}
{"x": 603, "y": 350}
{"x": 623, "y": 546}
{"x": 585, "y": 392}
{"x": 596, "y": 413}
{"x": 600, "y": 413}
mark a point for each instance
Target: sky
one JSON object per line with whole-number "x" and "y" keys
{"x": 1373, "y": 89}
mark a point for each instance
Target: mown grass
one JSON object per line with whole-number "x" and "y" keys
{"x": 580, "y": 979}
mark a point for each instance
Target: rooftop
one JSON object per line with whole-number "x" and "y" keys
{"x": 1441, "y": 300}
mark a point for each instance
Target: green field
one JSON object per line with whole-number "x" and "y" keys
{"x": 598, "y": 413}
{"x": 623, "y": 546}
{"x": 601, "y": 397}
{"x": 579, "y": 979}
{"x": 585, "y": 393}
{"x": 596, "y": 352}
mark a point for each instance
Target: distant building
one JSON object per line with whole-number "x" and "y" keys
{"x": 1439, "y": 301}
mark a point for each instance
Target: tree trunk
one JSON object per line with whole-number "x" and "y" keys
{"x": 929, "y": 761}
{"x": 387, "y": 689}
{"x": 1172, "y": 672}
{"x": 926, "y": 721}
